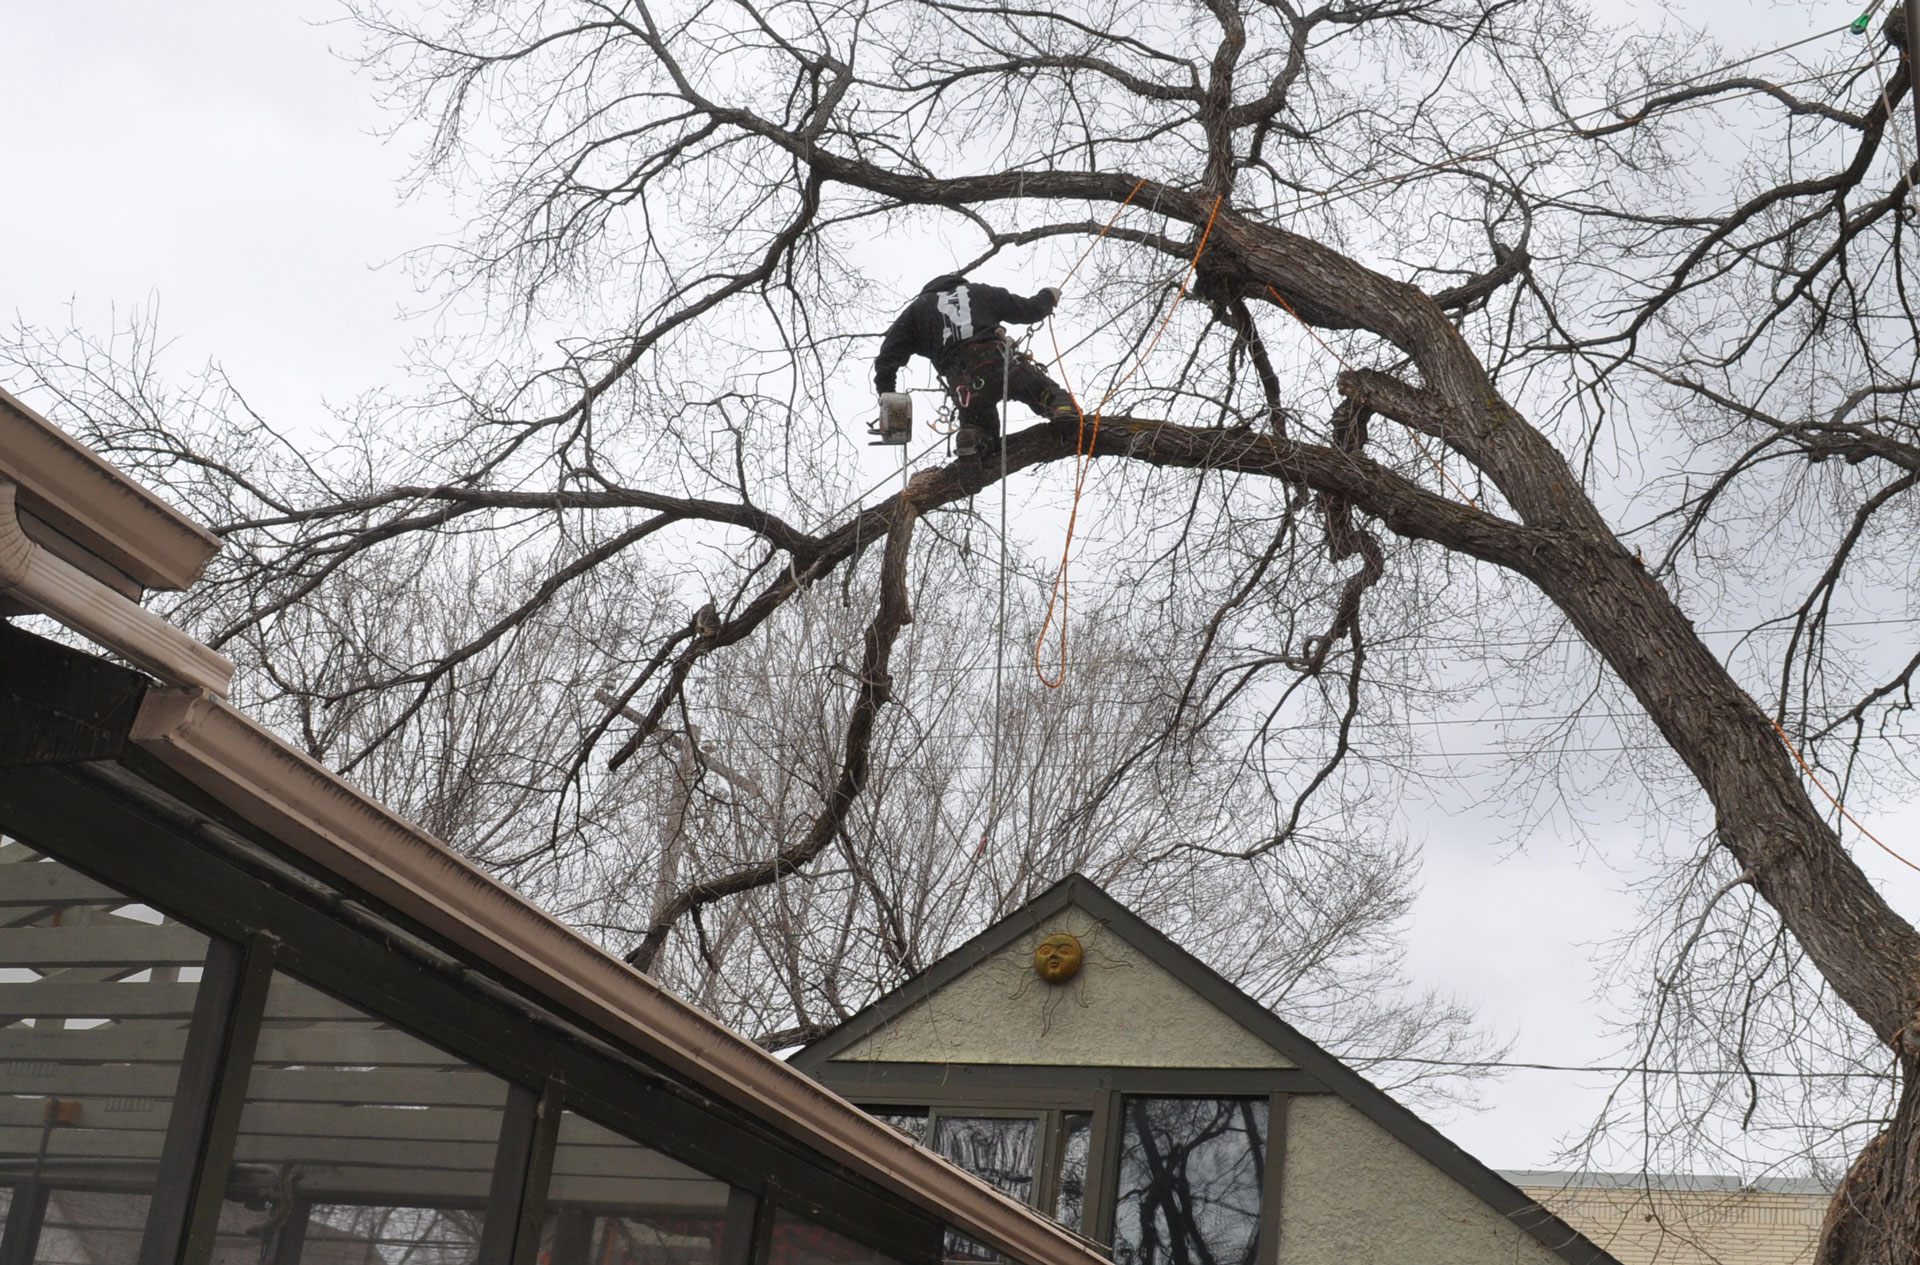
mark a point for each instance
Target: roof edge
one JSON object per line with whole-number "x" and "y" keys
{"x": 320, "y": 816}
{"x": 45, "y": 583}
{"x": 120, "y": 525}
{"x": 1667, "y": 1183}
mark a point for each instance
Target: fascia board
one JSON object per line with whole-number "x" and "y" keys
{"x": 312, "y": 811}
{"x": 99, "y": 509}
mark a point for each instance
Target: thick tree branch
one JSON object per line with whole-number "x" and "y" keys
{"x": 875, "y": 690}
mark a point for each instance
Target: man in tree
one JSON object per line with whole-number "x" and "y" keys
{"x": 957, "y": 324}
{"x": 1545, "y": 314}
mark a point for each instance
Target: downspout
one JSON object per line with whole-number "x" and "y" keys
{"x": 55, "y": 587}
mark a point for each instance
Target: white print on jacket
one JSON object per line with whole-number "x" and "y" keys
{"x": 957, "y": 308}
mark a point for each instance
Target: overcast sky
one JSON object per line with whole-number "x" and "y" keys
{"x": 214, "y": 158}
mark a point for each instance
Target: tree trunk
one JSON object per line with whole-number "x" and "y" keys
{"x": 1875, "y": 1215}
{"x": 1868, "y": 954}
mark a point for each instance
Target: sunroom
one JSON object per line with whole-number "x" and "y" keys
{"x": 248, "y": 1015}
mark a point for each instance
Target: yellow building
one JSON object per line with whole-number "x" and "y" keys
{"x": 1074, "y": 1057}
{"x": 1686, "y": 1220}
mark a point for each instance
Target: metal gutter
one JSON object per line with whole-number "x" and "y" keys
{"x": 117, "y": 525}
{"x": 36, "y": 578}
{"x": 311, "y": 810}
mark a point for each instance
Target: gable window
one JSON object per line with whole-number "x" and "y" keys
{"x": 997, "y": 1149}
{"x": 1039, "y": 1157}
{"x": 1070, "y": 1190}
{"x": 1190, "y": 1176}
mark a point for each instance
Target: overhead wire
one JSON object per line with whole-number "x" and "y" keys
{"x": 1363, "y": 1060}
{"x": 1268, "y": 759}
{"x": 1454, "y": 643}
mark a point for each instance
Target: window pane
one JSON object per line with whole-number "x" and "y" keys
{"x": 1191, "y": 1170}
{"x": 911, "y": 1121}
{"x": 359, "y": 1144}
{"x": 999, "y": 1151}
{"x": 86, "y": 1227}
{"x": 96, "y": 996}
{"x": 370, "y": 1234}
{"x": 1070, "y": 1200}
{"x": 613, "y": 1201}
{"x": 798, "y": 1241}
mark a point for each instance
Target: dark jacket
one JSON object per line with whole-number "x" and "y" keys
{"x": 951, "y": 310}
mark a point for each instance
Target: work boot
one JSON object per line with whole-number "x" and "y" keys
{"x": 969, "y": 441}
{"x": 1064, "y": 419}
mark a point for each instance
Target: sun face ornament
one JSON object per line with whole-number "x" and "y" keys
{"x": 1056, "y": 959}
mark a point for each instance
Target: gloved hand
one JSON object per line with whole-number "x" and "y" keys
{"x": 1055, "y": 292}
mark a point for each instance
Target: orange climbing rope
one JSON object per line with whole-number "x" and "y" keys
{"x": 1424, "y": 450}
{"x": 1083, "y": 444}
{"x": 1834, "y": 800}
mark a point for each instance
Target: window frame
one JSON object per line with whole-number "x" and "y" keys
{"x": 1097, "y": 1091}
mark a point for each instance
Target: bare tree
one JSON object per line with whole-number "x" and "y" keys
{"x": 926, "y": 855}
{"x": 1468, "y": 288}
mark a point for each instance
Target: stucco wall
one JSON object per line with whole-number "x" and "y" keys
{"x": 1643, "y": 1226}
{"x": 1352, "y": 1192}
{"x": 1121, "y": 1010}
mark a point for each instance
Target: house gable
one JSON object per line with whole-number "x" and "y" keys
{"x": 1359, "y": 1178}
{"x": 998, "y": 1011}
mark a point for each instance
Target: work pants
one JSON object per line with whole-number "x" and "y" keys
{"x": 974, "y": 371}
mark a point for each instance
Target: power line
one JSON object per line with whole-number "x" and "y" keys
{"x": 1435, "y": 643}
{"x": 1223, "y": 759}
{"x": 1628, "y": 1070}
